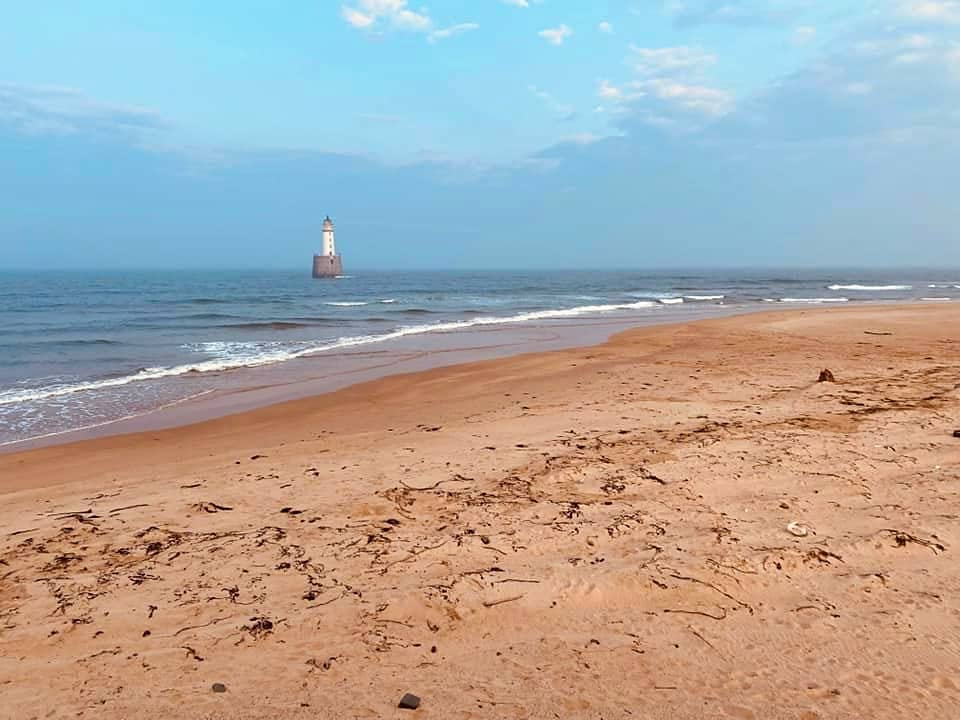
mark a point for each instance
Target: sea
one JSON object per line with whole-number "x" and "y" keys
{"x": 82, "y": 350}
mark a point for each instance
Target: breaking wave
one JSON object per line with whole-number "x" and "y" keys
{"x": 360, "y": 303}
{"x": 807, "y": 300}
{"x": 233, "y": 355}
{"x": 870, "y": 288}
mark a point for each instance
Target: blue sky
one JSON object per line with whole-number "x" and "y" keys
{"x": 496, "y": 132}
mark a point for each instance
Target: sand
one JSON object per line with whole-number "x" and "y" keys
{"x": 680, "y": 523}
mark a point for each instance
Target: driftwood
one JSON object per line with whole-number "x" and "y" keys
{"x": 494, "y": 603}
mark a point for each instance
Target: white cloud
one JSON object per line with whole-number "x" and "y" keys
{"x": 357, "y": 18}
{"x": 688, "y": 96}
{"x": 669, "y": 90}
{"x": 902, "y": 50}
{"x": 564, "y": 110}
{"x": 605, "y": 27}
{"x": 557, "y": 35}
{"x": 517, "y": 3}
{"x": 397, "y": 15}
{"x": 444, "y": 33}
{"x": 938, "y": 11}
{"x": 804, "y": 34}
{"x": 654, "y": 62}
{"x": 608, "y": 91}
{"x": 697, "y": 98}
{"x": 410, "y": 20}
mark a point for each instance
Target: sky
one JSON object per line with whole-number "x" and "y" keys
{"x": 480, "y": 133}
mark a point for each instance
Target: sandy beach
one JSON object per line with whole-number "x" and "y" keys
{"x": 679, "y": 523}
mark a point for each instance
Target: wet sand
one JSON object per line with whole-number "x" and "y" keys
{"x": 212, "y": 395}
{"x": 680, "y": 523}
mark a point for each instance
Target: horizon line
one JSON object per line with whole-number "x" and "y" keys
{"x": 351, "y": 271}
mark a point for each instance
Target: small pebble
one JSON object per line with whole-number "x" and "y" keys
{"x": 956, "y": 433}
{"x": 219, "y": 688}
{"x": 409, "y": 702}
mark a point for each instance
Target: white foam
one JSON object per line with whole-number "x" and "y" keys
{"x": 936, "y": 299}
{"x": 347, "y": 304}
{"x": 233, "y": 355}
{"x": 870, "y": 288}
{"x": 704, "y": 297}
{"x": 810, "y": 300}
{"x": 104, "y": 423}
{"x": 670, "y": 301}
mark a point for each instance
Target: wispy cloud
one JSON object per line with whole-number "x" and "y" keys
{"x": 937, "y": 11}
{"x": 605, "y": 27}
{"x": 608, "y": 91}
{"x": 736, "y": 12}
{"x": 557, "y": 35}
{"x": 563, "y": 110}
{"x": 42, "y": 109}
{"x": 380, "y": 15}
{"x": 448, "y": 32}
{"x": 885, "y": 83}
{"x": 395, "y": 13}
{"x": 696, "y": 98}
{"x": 669, "y": 89}
{"x": 670, "y": 60}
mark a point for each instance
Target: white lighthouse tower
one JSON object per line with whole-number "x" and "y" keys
{"x": 329, "y": 245}
{"x": 328, "y": 264}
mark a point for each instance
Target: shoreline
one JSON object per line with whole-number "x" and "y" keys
{"x": 258, "y": 387}
{"x": 103, "y": 440}
{"x": 681, "y": 522}
{"x": 262, "y": 386}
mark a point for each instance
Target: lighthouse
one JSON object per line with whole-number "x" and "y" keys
{"x": 327, "y": 264}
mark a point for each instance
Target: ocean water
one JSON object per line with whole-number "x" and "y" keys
{"x": 82, "y": 349}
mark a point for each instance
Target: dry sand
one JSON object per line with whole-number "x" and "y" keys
{"x": 592, "y": 533}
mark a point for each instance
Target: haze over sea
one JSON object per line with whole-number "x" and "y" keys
{"x": 83, "y": 349}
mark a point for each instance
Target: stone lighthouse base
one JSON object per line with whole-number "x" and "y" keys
{"x": 327, "y": 266}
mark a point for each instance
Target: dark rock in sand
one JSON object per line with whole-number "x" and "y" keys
{"x": 409, "y": 702}
{"x": 956, "y": 433}
{"x": 826, "y": 376}
{"x": 219, "y": 688}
